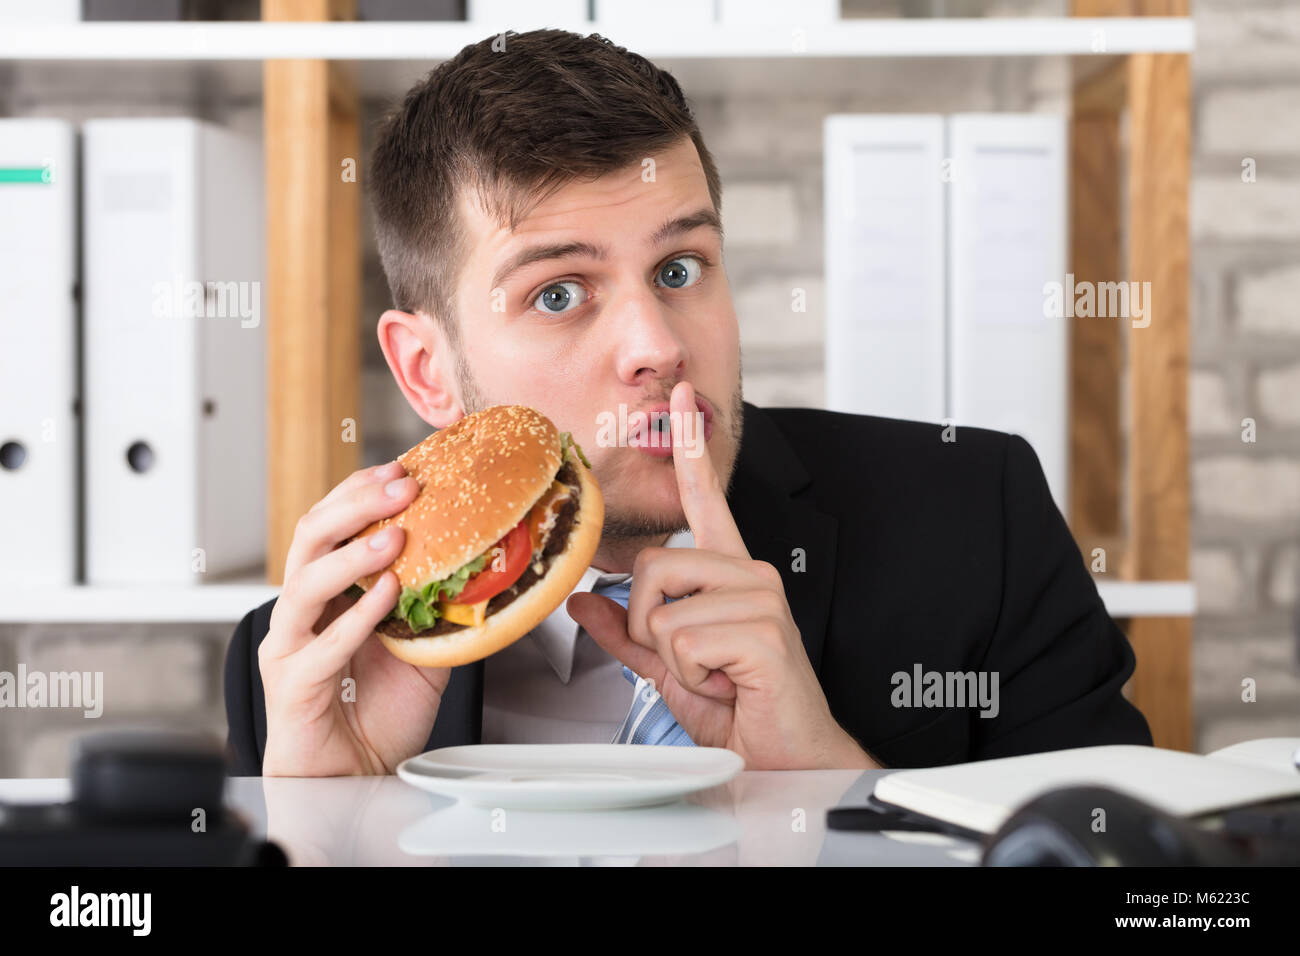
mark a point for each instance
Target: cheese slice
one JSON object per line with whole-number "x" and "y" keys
{"x": 541, "y": 518}
{"x": 471, "y": 615}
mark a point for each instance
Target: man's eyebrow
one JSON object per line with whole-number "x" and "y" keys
{"x": 684, "y": 224}
{"x": 562, "y": 250}
{"x": 571, "y": 250}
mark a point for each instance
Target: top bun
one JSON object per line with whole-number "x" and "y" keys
{"x": 478, "y": 478}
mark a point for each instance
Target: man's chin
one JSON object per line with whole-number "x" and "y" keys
{"x": 632, "y": 526}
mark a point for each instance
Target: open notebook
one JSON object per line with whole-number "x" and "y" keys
{"x": 980, "y": 796}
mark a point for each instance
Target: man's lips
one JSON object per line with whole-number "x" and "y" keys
{"x": 642, "y": 439}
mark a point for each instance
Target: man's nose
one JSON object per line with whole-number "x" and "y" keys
{"x": 648, "y": 339}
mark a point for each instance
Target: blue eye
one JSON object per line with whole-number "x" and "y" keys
{"x": 557, "y": 298}
{"x": 681, "y": 272}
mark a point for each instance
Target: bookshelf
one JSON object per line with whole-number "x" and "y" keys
{"x": 256, "y": 42}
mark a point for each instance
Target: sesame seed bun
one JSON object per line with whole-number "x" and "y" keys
{"x": 478, "y": 478}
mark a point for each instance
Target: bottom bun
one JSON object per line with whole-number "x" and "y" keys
{"x": 525, "y": 612}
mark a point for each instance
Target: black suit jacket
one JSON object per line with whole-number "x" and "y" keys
{"x": 950, "y": 555}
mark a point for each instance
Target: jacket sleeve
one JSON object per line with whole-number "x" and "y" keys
{"x": 1060, "y": 659}
{"x": 243, "y": 682}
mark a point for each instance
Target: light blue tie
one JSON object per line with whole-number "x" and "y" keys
{"x": 649, "y": 721}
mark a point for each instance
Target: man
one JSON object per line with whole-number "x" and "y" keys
{"x": 862, "y": 591}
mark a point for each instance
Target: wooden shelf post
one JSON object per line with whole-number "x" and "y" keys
{"x": 1158, "y": 180}
{"x": 313, "y": 248}
{"x": 1154, "y": 91}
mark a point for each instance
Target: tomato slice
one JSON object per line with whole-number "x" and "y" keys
{"x": 490, "y": 581}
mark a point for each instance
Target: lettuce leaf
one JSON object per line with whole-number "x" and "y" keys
{"x": 418, "y": 607}
{"x": 567, "y": 442}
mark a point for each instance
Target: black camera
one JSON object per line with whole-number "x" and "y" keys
{"x": 139, "y": 798}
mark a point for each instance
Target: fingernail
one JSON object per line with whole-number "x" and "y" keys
{"x": 381, "y": 539}
{"x": 395, "y": 488}
{"x": 388, "y": 470}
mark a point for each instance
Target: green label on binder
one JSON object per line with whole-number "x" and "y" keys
{"x": 21, "y": 174}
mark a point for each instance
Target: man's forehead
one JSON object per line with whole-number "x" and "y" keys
{"x": 671, "y": 180}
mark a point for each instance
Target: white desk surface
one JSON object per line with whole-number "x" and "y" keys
{"x": 760, "y": 818}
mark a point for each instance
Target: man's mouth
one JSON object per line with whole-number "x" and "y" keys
{"x": 653, "y": 431}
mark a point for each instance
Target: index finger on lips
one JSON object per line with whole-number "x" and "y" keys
{"x": 323, "y": 528}
{"x": 703, "y": 499}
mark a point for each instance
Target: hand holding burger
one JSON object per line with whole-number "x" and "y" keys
{"x": 337, "y": 702}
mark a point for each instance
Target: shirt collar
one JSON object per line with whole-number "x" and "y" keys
{"x": 557, "y": 635}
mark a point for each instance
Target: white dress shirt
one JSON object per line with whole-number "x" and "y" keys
{"x": 556, "y": 685}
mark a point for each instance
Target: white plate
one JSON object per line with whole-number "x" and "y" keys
{"x": 569, "y": 776}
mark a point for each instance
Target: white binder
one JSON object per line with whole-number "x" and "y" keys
{"x": 885, "y": 265}
{"x": 682, "y": 14}
{"x": 779, "y": 13}
{"x": 1007, "y": 239}
{"x": 38, "y": 360}
{"x": 174, "y": 351}
{"x": 521, "y": 15}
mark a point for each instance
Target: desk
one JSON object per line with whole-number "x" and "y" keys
{"x": 760, "y": 818}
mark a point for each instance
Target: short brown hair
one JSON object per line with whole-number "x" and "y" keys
{"x": 515, "y": 124}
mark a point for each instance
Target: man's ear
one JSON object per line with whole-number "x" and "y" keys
{"x": 421, "y": 362}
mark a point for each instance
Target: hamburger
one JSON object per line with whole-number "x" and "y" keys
{"x": 506, "y": 521}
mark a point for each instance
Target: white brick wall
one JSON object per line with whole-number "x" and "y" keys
{"x": 759, "y": 214}
{"x": 1224, "y": 731}
{"x": 1246, "y": 347}
{"x": 1251, "y": 121}
{"x": 1269, "y": 302}
{"x": 1284, "y": 584}
{"x": 152, "y": 675}
{"x": 142, "y": 673}
{"x": 766, "y": 311}
{"x": 1268, "y": 208}
{"x": 777, "y": 389}
{"x": 1220, "y": 666}
{"x": 1245, "y": 39}
{"x": 1208, "y": 406}
{"x": 1279, "y": 395}
{"x": 1246, "y": 488}
{"x": 1217, "y": 576}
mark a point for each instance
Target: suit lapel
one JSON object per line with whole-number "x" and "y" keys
{"x": 460, "y": 714}
{"x": 775, "y": 525}
{"x": 773, "y": 522}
